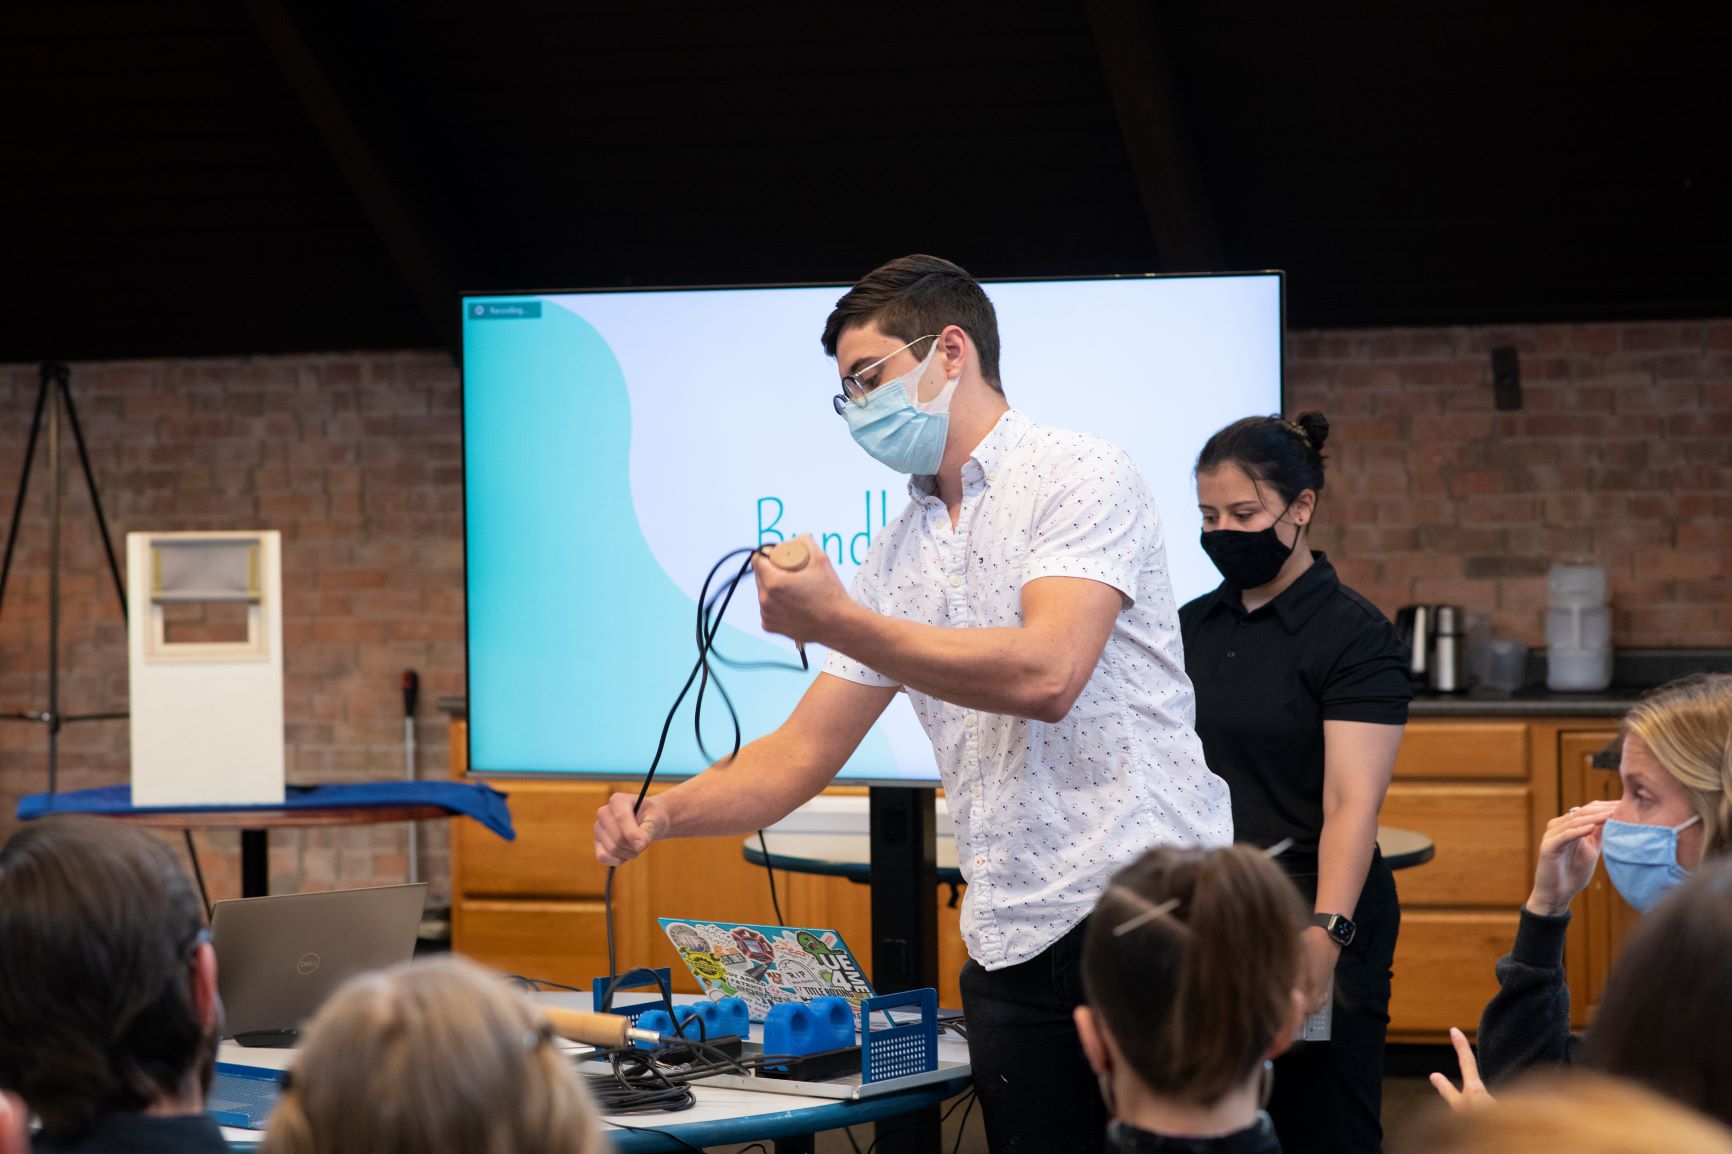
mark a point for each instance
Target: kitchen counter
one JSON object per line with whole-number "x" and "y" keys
{"x": 1634, "y": 672}
{"x": 1534, "y": 701}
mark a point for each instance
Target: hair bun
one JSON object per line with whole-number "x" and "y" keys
{"x": 1315, "y": 426}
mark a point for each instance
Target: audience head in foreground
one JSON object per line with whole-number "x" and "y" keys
{"x": 1190, "y": 971}
{"x": 1574, "y": 1113}
{"x": 1667, "y": 1008}
{"x": 439, "y": 1057}
{"x": 109, "y": 1018}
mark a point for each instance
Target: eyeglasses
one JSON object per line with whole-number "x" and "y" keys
{"x": 854, "y": 391}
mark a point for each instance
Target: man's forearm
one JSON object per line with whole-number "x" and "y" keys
{"x": 1014, "y": 670}
{"x": 759, "y": 787}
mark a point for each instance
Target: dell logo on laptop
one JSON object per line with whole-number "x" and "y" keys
{"x": 308, "y": 963}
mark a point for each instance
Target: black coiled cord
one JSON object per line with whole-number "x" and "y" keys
{"x": 711, "y": 608}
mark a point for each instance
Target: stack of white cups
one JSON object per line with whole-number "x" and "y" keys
{"x": 1578, "y": 628}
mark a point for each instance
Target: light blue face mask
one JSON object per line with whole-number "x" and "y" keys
{"x": 897, "y": 430}
{"x": 1642, "y": 860}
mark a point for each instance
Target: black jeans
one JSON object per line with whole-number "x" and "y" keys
{"x": 1329, "y": 1095}
{"x": 1037, "y": 1092}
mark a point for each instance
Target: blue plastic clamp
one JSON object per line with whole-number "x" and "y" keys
{"x": 713, "y": 1019}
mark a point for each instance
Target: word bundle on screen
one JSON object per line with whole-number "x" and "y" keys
{"x": 616, "y": 444}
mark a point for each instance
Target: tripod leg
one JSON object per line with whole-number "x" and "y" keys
{"x": 23, "y": 482}
{"x": 95, "y": 496}
{"x": 55, "y": 487}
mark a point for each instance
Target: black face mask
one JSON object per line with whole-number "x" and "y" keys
{"x": 1247, "y": 560}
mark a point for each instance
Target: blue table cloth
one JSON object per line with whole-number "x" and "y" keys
{"x": 471, "y": 799}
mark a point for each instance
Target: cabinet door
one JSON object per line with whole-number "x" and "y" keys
{"x": 1448, "y": 748}
{"x": 553, "y": 856}
{"x": 1483, "y": 836}
{"x": 559, "y": 941}
{"x": 1444, "y": 970}
{"x": 1600, "y": 918}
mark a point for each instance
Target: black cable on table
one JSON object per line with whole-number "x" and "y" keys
{"x": 962, "y": 1127}
{"x": 537, "y": 983}
{"x": 770, "y": 870}
{"x": 968, "y": 1099}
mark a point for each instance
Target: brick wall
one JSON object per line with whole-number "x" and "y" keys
{"x": 1623, "y": 450}
{"x": 355, "y": 459}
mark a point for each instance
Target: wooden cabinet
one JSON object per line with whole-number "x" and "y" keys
{"x": 536, "y": 906}
{"x": 1443, "y": 969}
{"x": 1483, "y": 834}
{"x": 1469, "y": 786}
{"x": 1467, "y": 749}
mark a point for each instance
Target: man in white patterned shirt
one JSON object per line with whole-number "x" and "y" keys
{"x": 1022, "y": 602}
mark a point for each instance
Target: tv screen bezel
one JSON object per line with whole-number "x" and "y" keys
{"x": 636, "y": 774}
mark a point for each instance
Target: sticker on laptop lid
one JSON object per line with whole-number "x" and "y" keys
{"x": 767, "y": 965}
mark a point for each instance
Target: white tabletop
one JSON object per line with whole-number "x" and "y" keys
{"x": 714, "y": 1104}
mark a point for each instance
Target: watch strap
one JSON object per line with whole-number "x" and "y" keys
{"x": 1338, "y": 926}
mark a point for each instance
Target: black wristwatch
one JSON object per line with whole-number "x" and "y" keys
{"x": 1338, "y": 926}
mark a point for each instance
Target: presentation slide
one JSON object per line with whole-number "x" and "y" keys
{"x": 617, "y": 444}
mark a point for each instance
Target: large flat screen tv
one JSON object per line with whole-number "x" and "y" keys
{"x": 616, "y": 444}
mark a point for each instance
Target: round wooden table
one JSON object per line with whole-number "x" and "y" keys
{"x": 845, "y": 855}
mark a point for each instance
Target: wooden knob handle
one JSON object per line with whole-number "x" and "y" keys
{"x": 790, "y": 555}
{"x": 605, "y": 1030}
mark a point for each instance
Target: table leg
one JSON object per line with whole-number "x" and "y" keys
{"x": 255, "y": 863}
{"x": 904, "y": 852}
{"x": 916, "y": 1132}
{"x": 795, "y": 1144}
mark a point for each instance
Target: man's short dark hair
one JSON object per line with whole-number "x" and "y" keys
{"x": 98, "y": 926}
{"x": 915, "y": 296}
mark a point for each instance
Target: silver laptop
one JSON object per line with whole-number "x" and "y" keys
{"x": 279, "y": 958}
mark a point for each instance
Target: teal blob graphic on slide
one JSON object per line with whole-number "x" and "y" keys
{"x": 578, "y": 640}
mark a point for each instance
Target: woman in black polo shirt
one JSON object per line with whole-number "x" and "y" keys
{"x": 1301, "y": 699}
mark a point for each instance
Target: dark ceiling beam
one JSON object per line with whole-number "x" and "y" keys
{"x": 398, "y": 204}
{"x": 1168, "y": 179}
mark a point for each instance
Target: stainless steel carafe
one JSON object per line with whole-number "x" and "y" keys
{"x": 1413, "y": 627}
{"x": 1448, "y": 666}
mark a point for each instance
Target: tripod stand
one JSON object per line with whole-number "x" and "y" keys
{"x": 54, "y": 398}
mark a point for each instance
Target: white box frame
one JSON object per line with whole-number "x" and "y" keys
{"x": 207, "y": 717}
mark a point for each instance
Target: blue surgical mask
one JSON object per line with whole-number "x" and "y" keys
{"x": 899, "y": 431}
{"x": 1642, "y": 860}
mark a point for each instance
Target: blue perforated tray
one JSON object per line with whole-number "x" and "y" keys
{"x": 243, "y": 1096}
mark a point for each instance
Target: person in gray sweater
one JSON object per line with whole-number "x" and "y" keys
{"x": 1675, "y": 814}
{"x": 1662, "y": 1021}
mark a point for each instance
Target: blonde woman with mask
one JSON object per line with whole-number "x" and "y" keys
{"x": 1675, "y": 813}
{"x": 436, "y": 1057}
